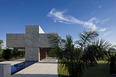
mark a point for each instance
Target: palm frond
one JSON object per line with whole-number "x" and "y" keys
{"x": 86, "y": 38}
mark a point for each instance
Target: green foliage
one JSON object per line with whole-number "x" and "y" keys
{"x": 1, "y": 50}
{"x": 1, "y": 44}
{"x": 7, "y": 54}
{"x": 74, "y": 59}
{"x": 101, "y": 70}
{"x": 97, "y": 50}
{"x": 103, "y": 47}
{"x": 54, "y": 39}
{"x": 91, "y": 54}
{"x": 22, "y": 53}
{"x": 17, "y": 53}
{"x": 113, "y": 64}
{"x": 86, "y": 38}
{"x": 51, "y": 53}
{"x": 69, "y": 56}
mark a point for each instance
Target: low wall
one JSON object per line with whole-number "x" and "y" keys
{"x": 5, "y": 70}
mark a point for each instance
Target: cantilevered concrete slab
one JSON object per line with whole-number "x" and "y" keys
{"x": 33, "y": 39}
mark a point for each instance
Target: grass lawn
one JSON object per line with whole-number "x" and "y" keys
{"x": 62, "y": 72}
{"x": 101, "y": 70}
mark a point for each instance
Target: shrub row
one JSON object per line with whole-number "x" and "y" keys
{"x": 8, "y": 54}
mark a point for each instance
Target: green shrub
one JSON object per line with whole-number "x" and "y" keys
{"x": 113, "y": 64}
{"x": 7, "y": 54}
{"x": 1, "y": 53}
{"x": 16, "y": 53}
{"x": 51, "y": 53}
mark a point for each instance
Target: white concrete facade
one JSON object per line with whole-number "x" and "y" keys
{"x": 32, "y": 40}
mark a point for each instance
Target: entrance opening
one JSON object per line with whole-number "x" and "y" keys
{"x": 44, "y": 53}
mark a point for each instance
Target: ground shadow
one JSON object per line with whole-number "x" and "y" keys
{"x": 34, "y": 75}
{"x": 49, "y": 62}
{"x": 100, "y": 70}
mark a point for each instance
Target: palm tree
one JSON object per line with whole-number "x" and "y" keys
{"x": 103, "y": 47}
{"x": 91, "y": 52}
{"x": 86, "y": 38}
{"x": 68, "y": 55}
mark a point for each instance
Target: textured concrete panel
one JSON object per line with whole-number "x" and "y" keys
{"x": 32, "y": 54}
{"x": 15, "y": 40}
{"x": 5, "y": 70}
{"x": 32, "y": 30}
{"x": 43, "y": 41}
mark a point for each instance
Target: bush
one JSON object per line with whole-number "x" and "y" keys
{"x": 1, "y": 53}
{"x": 16, "y": 53}
{"x": 7, "y": 54}
{"x": 51, "y": 53}
{"x": 113, "y": 64}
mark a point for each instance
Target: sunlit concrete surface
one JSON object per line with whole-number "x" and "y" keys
{"x": 45, "y": 68}
{"x": 13, "y": 61}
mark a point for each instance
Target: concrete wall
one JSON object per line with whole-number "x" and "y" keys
{"x": 43, "y": 41}
{"x": 32, "y": 54}
{"x": 33, "y": 39}
{"x": 31, "y": 43}
{"x": 5, "y": 70}
{"x": 15, "y": 40}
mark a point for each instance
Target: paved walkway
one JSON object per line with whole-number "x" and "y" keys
{"x": 14, "y": 61}
{"x": 45, "y": 68}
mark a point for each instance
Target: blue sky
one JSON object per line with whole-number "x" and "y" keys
{"x": 61, "y": 16}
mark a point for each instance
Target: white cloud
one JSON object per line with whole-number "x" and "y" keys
{"x": 100, "y": 6}
{"x": 59, "y": 16}
{"x": 107, "y": 33}
{"x": 105, "y": 20}
{"x": 102, "y": 29}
